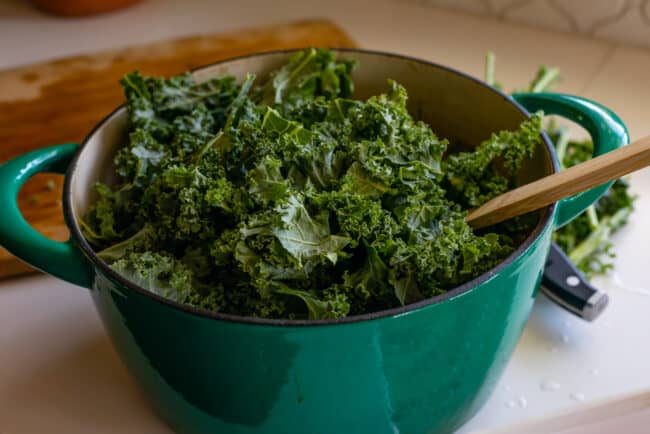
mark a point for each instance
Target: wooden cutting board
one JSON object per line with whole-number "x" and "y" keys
{"x": 60, "y": 101}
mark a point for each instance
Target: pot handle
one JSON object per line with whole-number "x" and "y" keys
{"x": 606, "y": 129}
{"x": 61, "y": 259}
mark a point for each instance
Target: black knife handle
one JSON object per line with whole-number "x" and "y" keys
{"x": 565, "y": 285}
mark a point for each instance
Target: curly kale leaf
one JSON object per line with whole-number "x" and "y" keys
{"x": 319, "y": 307}
{"x": 477, "y": 176}
{"x": 157, "y": 272}
{"x": 307, "y": 75}
{"x": 306, "y": 237}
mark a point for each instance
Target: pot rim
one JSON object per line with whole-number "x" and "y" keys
{"x": 75, "y": 231}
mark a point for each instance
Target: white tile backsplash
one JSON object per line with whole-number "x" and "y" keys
{"x": 587, "y": 15}
{"x": 630, "y": 27}
{"x": 498, "y": 7}
{"x": 473, "y": 6}
{"x": 625, "y": 21}
{"x": 539, "y": 13}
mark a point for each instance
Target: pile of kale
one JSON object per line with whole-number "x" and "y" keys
{"x": 287, "y": 199}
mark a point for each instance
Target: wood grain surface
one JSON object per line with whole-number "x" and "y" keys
{"x": 60, "y": 101}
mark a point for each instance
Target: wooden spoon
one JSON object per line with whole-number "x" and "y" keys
{"x": 552, "y": 188}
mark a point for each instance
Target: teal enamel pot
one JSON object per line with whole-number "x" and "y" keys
{"x": 423, "y": 368}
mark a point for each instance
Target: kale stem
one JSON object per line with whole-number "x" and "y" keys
{"x": 619, "y": 217}
{"x": 592, "y": 216}
{"x": 599, "y": 236}
{"x": 189, "y": 101}
{"x": 545, "y": 78}
{"x": 489, "y": 68}
{"x": 198, "y": 96}
{"x": 591, "y": 243}
{"x": 210, "y": 143}
{"x": 561, "y": 146}
{"x": 89, "y": 233}
{"x": 127, "y": 80}
{"x": 118, "y": 250}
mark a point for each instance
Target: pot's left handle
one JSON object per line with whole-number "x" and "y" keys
{"x": 61, "y": 259}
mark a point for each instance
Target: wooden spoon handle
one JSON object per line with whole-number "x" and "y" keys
{"x": 562, "y": 184}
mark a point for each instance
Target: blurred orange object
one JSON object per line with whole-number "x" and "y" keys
{"x": 78, "y": 8}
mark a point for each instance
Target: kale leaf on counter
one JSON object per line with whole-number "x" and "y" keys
{"x": 287, "y": 199}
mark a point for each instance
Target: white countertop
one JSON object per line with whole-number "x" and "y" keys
{"x": 58, "y": 371}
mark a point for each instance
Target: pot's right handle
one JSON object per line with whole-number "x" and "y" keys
{"x": 60, "y": 259}
{"x": 606, "y": 129}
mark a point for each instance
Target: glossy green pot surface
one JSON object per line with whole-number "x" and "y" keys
{"x": 424, "y": 368}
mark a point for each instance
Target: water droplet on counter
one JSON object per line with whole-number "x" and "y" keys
{"x": 522, "y": 401}
{"x": 566, "y": 323}
{"x": 511, "y": 403}
{"x": 594, "y": 371}
{"x": 507, "y": 388}
{"x": 565, "y": 338}
{"x": 549, "y": 385}
{"x": 578, "y": 396}
{"x": 616, "y": 281}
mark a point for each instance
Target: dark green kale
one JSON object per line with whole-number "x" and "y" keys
{"x": 287, "y": 199}
{"x": 586, "y": 239}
